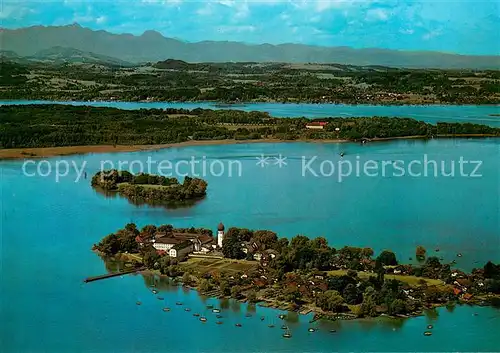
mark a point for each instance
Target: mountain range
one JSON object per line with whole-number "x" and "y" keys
{"x": 75, "y": 40}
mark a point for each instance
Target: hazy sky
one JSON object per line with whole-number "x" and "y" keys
{"x": 461, "y": 26}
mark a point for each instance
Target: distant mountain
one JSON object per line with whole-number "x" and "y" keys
{"x": 60, "y": 55}
{"x": 152, "y": 46}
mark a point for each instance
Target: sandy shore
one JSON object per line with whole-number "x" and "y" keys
{"x": 20, "y": 153}
{"x": 27, "y": 153}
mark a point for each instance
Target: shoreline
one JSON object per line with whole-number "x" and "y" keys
{"x": 307, "y": 308}
{"x": 243, "y": 104}
{"x": 46, "y": 152}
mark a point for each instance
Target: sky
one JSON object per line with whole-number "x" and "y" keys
{"x": 457, "y": 26}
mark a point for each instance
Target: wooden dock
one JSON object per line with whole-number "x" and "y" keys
{"x": 114, "y": 274}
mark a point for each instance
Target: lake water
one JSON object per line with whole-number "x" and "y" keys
{"x": 48, "y": 228}
{"x": 479, "y": 114}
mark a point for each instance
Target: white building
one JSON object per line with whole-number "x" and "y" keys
{"x": 220, "y": 235}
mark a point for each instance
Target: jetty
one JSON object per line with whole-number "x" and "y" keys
{"x": 114, "y": 274}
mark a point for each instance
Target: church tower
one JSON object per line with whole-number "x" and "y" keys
{"x": 220, "y": 235}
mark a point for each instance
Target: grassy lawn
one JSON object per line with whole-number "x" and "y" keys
{"x": 204, "y": 265}
{"x": 411, "y": 280}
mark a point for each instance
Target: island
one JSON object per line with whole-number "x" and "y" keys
{"x": 149, "y": 188}
{"x": 301, "y": 274}
{"x": 44, "y": 130}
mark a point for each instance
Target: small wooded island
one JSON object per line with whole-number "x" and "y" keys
{"x": 150, "y": 188}
{"x": 301, "y": 274}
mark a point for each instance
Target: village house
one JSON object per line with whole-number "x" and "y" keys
{"x": 316, "y": 125}
{"x": 180, "y": 250}
{"x": 178, "y": 244}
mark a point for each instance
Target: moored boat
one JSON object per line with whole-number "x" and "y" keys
{"x": 427, "y": 333}
{"x": 237, "y": 325}
{"x": 287, "y": 334}
{"x": 138, "y": 303}
{"x": 166, "y": 309}
{"x": 215, "y": 310}
{"x": 310, "y": 329}
{"x": 219, "y": 322}
{"x": 196, "y": 314}
{"x": 203, "y": 319}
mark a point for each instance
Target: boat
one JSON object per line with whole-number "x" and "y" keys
{"x": 218, "y": 316}
{"x": 203, "y": 319}
{"x": 219, "y": 322}
{"x": 215, "y": 310}
{"x": 459, "y": 254}
{"x": 270, "y": 326}
{"x": 333, "y": 331}
{"x": 237, "y": 325}
{"x": 342, "y": 154}
{"x": 154, "y": 291}
{"x": 284, "y": 327}
{"x": 187, "y": 309}
{"x": 210, "y": 306}
{"x": 287, "y": 334}
{"x": 196, "y": 314}
{"x": 310, "y": 329}
{"x": 427, "y": 333}
{"x": 248, "y": 315}
{"x": 262, "y": 318}
{"x": 429, "y": 327}
{"x": 178, "y": 303}
{"x": 166, "y": 309}
{"x": 437, "y": 249}
{"x": 281, "y": 316}
{"x": 161, "y": 298}
{"x": 138, "y": 303}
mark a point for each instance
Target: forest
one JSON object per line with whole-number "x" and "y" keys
{"x": 54, "y": 125}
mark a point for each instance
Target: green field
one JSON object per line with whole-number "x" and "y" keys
{"x": 204, "y": 265}
{"x": 411, "y": 280}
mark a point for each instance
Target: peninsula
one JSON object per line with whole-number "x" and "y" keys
{"x": 153, "y": 189}
{"x": 301, "y": 274}
{"x": 38, "y": 130}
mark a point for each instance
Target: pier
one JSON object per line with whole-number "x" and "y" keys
{"x": 114, "y": 274}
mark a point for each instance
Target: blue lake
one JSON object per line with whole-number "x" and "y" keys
{"x": 48, "y": 228}
{"x": 479, "y": 114}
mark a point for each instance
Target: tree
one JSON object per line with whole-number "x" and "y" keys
{"x": 351, "y": 294}
{"x": 186, "y": 278}
{"x": 398, "y": 307}
{"x": 266, "y": 238}
{"x": 231, "y": 248}
{"x": 387, "y": 258}
{"x": 224, "y": 287}
{"x": 420, "y": 252}
{"x": 369, "y": 305}
{"x": 330, "y": 300}
{"x": 236, "y": 292}
{"x": 252, "y": 296}
{"x": 204, "y": 285}
{"x": 150, "y": 258}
